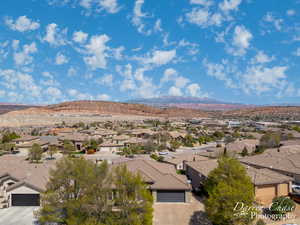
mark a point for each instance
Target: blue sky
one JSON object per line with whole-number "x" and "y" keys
{"x": 233, "y": 50}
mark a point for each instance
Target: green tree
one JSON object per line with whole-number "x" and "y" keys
{"x": 82, "y": 192}
{"x": 9, "y": 136}
{"x": 52, "y": 150}
{"x": 174, "y": 145}
{"x": 244, "y": 152}
{"x": 270, "y": 140}
{"x": 35, "y": 153}
{"x": 68, "y": 147}
{"x": 227, "y": 186}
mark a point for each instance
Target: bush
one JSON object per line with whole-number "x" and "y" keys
{"x": 270, "y": 140}
{"x": 282, "y": 205}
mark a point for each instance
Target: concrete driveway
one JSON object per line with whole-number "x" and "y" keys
{"x": 180, "y": 213}
{"x": 17, "y": 216}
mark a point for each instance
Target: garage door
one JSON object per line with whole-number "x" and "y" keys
{"x": 25, "y": 200}
{"x": 170, "y": 196}
{"x": 265, "y": 194}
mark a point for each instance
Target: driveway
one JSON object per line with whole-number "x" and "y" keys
{"x": 180, "y": 213}
{"x": 17, "y": 216}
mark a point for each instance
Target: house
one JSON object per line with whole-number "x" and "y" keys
{"x": 121, "y": 139}
{"x": 77, "y": 139}
{"x": 163, "y": 182}
{"x": 108, "y": 146}
{"x": 267, "y": 183}
{"x": 283, "y": 162}
{"x": 178, "y": 160}
{"x": 21, "y": 185}
{"x": 23, "y": 147}
{"x": 25, "y": 140}
{"x": 238, "y": 145}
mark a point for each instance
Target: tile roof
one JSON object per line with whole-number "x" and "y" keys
{"x": 163, "y": 176}
{"x": 258, "y": 176}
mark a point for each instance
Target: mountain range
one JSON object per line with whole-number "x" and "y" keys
{"x": 207, "y": 104}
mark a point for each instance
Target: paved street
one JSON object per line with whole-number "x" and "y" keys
{"x": 17, "y": 216}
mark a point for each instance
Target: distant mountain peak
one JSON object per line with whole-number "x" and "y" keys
{"x": 188, "y": 102}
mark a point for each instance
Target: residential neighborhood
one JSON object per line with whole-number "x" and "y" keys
{"x": 173, "y": 157}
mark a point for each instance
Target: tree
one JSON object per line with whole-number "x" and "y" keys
{"x": 82, "y": 192}
{"x": 52, "y": 150}
{"x": 35, "y": 153}
{"x": 270, "y": 140}
{"x": 188, "y": 141}
{"x": 68, "y": 147}
{"x": 174, "y": 145}
{"x": 9, "y": 136}
{"x": 244, "y": 152}
{"x": 227, "y": 186}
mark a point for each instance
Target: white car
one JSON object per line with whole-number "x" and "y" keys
{"x": 296, "y": 188}
{"x": 163, "y": 153}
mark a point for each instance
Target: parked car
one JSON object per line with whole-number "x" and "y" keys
{"x": 296, "y": 188}
{"x": 163, "y": 153}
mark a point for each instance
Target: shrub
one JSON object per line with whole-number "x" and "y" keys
{"x": 282, "y": 205}
{"x": 270, "y": 140}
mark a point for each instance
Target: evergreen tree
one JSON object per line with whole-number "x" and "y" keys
{"x": 227, "y": 186}
{"x": 35, "y": 153}
{"x": 82, "y": 192}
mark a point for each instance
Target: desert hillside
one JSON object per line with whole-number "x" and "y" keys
{"x": 112, "y": 108}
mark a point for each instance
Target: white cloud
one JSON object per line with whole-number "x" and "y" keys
{"x": 228, "y": 5}
{"x": 261, "y": 57}
{"x": 194, "y": 90}
{"x": 157, "y": 26}
{"x": 160, "y": 57}
{"x": 75, "y": 94}
{"x": 270, "y": 18}
{"x": 80, "y": 37}
{"x": 175, "y": 91}
{"x": 54, "y": 36}
{"x": 201, "y": 2}
{"x": 61, "y": 59}
{"x": 258, "y": 79}
{"x": 24, "y": 57}
{"x": 15, "y": 44}
{"x": 220, "y": 72}
{"x": 241, "y": 40}
{"x": 110, "y": 6}
{"x": 103, "y": 97}
{"x": 291, "y": 12}
{"x": 106, "y": 80}
{"x": 203, "y": 18}
{"x": 96, "y": 49}
{"x": 54, "y": 93}
{"x": 137, "y": 18}
{"x": 22, "y": 24}
{"x": 72, "y": 71}
{"x": 20, "y": 85}
{"x": 169, "y": 75}
{"x": 297, "y": 52}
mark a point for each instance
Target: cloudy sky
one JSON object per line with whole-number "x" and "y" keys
{"x": 234, "y": 50}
